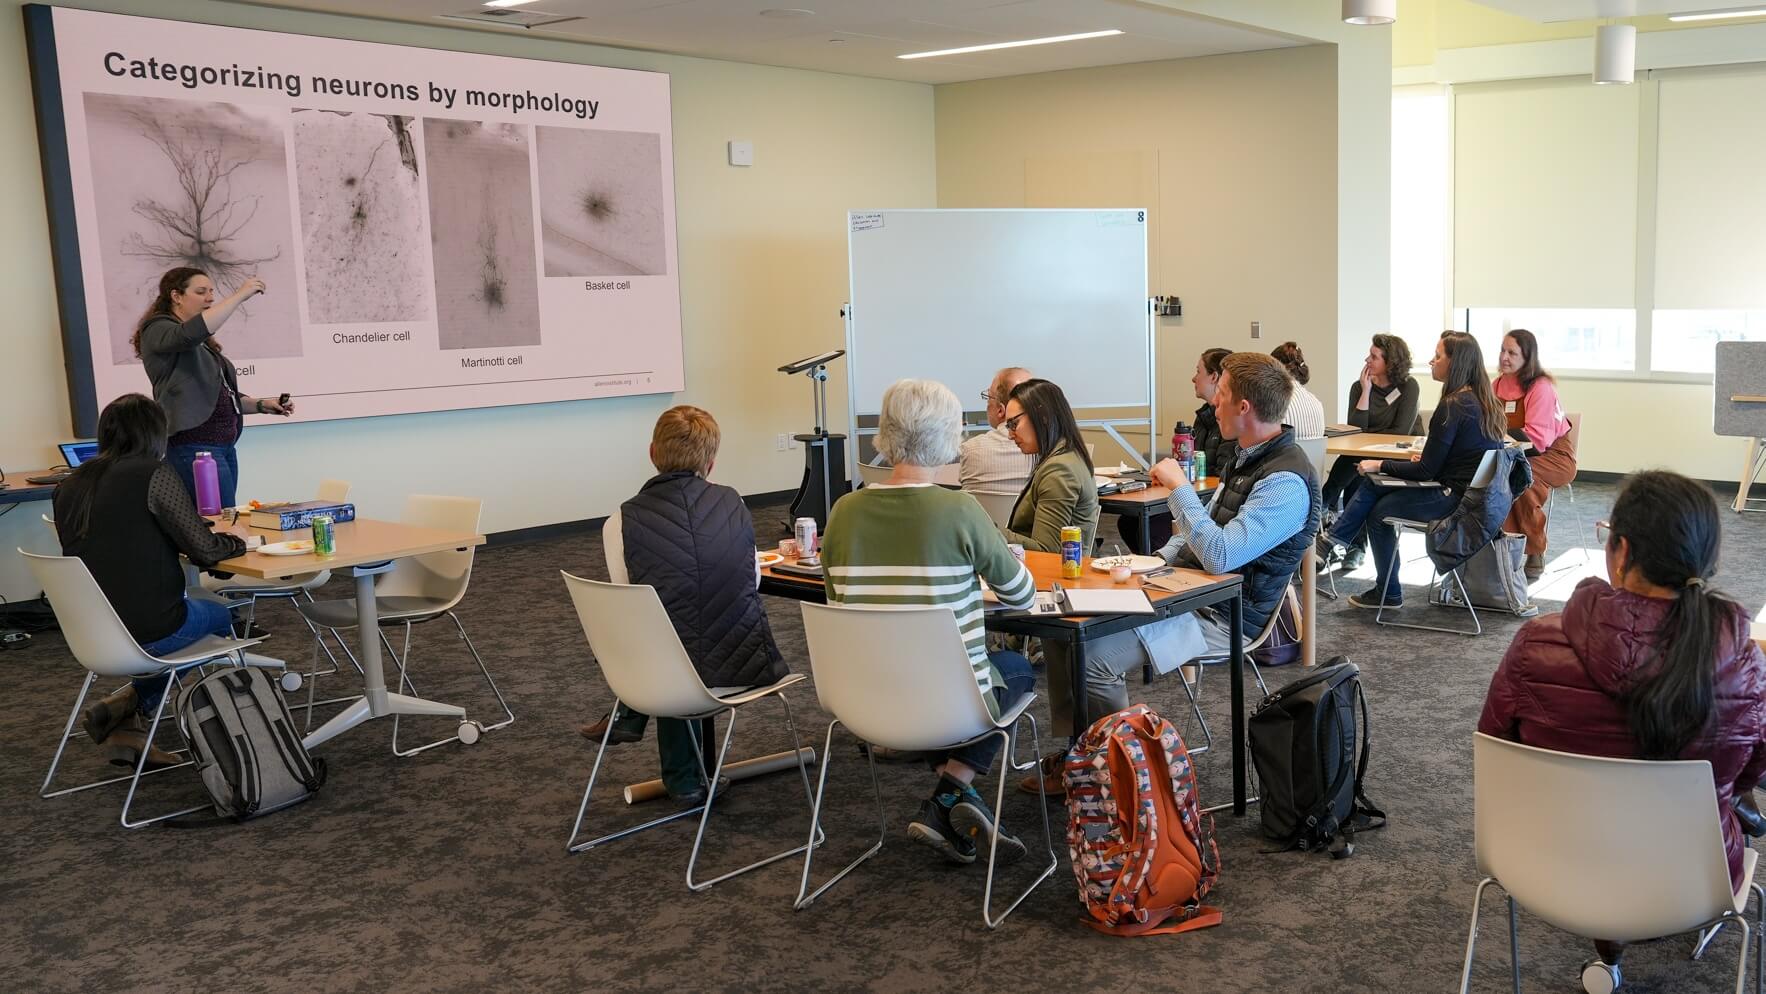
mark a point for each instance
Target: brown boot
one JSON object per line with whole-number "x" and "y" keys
{"x": 1049, "y": 771}
{"x": 1535, "y": 565}
{"x": 107, "y": 713}
{"x": 124, "y": 747}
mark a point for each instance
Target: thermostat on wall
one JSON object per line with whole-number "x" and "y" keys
{"x": 741, "y": 153}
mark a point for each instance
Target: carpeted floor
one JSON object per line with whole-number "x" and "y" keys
{"x": 447, "y": 871}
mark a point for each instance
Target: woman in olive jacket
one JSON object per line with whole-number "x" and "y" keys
{"x": 1062, "y": 491}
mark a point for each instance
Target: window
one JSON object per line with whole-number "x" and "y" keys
{"x": 1569, "y": 338}
{"x": 1684, "y": 341}
{"x": 1421, "y": 180}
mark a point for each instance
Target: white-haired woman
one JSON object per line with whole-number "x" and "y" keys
{"x": 908, "y": 542}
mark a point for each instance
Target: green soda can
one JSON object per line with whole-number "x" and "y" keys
{"x": 324, "y": 538}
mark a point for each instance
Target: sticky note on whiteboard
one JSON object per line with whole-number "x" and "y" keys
{"x": 865, "y": 222}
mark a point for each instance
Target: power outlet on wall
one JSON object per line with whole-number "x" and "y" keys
{"x": 1257, "y": 329}
{"x": 781, "y": 442}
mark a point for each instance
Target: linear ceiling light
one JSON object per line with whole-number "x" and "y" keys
{"x": 1717, "y": 15}
{"x": 1011, "y": 44}
{"x": 507, "y": 3}
{"x": 1370, "y": 11}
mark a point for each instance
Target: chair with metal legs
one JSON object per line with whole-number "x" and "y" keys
{"x": 1551, "y": 499}
{"x": 1193, "y": 688}
{"x": 1559, "y": 834}
{"x": 97, "y": 638}
{"x": 1486, "y": 472}
{"x": 901, "y": 679}
{"x": 648, "y": 669}
{"x": 422, "y": 588}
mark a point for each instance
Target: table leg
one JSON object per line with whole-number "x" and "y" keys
{"x": 1146, "y": 548}
{"x": 1076, "y": 679}
{"x": 1309, "y": 608}
{"x": 1236, "y": 667}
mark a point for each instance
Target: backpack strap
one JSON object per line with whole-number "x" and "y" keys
{"x": 250, "y": 793}
{"x": 1319, "y": 823}
{"x": 275, "y": 712}
{"x": 1363, "y": 815}
{"x": 1196, "y": 917}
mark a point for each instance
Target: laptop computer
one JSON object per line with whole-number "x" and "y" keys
{"x": 72, "y": 455}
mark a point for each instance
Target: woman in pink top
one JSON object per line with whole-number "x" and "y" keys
{"x": 1530, "y": 402}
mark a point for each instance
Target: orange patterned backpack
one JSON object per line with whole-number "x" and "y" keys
{"x": 1142, "y": 850}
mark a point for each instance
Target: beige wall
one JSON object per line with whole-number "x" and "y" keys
{"x": 763, "y": 274}
{"x": 1235, "y": 157}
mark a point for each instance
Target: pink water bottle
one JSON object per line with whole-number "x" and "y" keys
{"x": 208, "y": 483}
{"x": 1183, "y": 443}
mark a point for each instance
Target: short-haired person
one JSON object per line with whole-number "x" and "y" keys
{"x": 192, "y": 380}
{"x": 909, "y": 543}
{"x": 990, "y": 461}
{"x": 1466, "y": 424}
{"x": 128, "y": 517}
{"x": 1529, "y": 398}
{"x": 1654, "y": 665}
{"x": 1062, "y": 491}
{"x": 693, "y": 540}
{"x": 1258, "y": 524}
{"x": 1305, "y": 413}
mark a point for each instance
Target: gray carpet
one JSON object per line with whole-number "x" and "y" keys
{"x": 447, "y": 871}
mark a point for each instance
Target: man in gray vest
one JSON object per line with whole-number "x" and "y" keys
{"x": 1259, "y": 524}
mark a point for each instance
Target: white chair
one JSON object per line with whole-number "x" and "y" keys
{"x": 1486, "y": 472}
{"x": 997, "y": 504}
{"x": 422, "y": 588}
{"x": 1315, "y": 452}
{"x": 901, "y": 679}
{"x": 1615, "y": 849}
{"x": 648, "y": 669}
{"x": 869, "y": 474}
{"x": 1198, "y": 664}
{"x": 97, "y": 638}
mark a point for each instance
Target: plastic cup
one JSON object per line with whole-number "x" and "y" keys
{"x": 1121, "y": 572}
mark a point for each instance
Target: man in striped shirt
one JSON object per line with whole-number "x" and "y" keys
{"x": 990, "y": 461}
{"x": 908, "y": 543}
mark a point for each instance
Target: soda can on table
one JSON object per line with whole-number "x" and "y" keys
{"x": 805, "y": 531}
{"x": 1201, "y": 467}
{"x": 1072, "y": 551}
{"x": 324, "y": 536}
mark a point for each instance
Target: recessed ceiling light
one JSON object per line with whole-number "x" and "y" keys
{"x": 1011, "y": 44}
{"x": 787, "y": 12}
{"x": 1717, "y": 15}
{"x": 507, "y": 3}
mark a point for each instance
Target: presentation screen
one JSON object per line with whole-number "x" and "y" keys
{"x": 437, "y": 230}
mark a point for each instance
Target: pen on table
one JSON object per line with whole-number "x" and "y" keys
{"x": 1161, "y": 571}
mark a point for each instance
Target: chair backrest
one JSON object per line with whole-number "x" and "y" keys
{"x": 1575, "y": 432}
{"x": 333, "y": 490}
{"x": 1487, "y": 467}
{"x": 639, "y": 652}
{"x": 1618, "y": 849}
{"x": 49, "y": 523}
{"x": 1423, "y": 416}
{"x": 616, "y": 570}
{"x": 997, "y": 504}
{"x": 439, "y": 576}
{"x": 869, "y": 474}
{"x": 94, "y": 633}
{"x": 1314, "y": 449}
{"x": 896, "y": 677}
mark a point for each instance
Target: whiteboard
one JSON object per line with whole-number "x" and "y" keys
{"x": 954, "y": 295}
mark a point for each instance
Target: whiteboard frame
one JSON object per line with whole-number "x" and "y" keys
{"x": 1108, "y": 425}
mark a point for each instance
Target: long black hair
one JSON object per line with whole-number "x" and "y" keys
{"x": 1051, "y": 419}
{"x": 131, "y": 425}
{"x": 1672, "y": 527}
{"x": 1465, "y": 371}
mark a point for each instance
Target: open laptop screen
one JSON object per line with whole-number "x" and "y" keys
{"x": 75, "y": 453}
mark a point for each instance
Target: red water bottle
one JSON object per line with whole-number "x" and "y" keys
{"x": 1183, "y": 443}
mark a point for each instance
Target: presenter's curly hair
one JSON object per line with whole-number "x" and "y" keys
{"x": 174, "y": 280}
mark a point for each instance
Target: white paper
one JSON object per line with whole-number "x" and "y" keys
{"x": 1130, "y": 601}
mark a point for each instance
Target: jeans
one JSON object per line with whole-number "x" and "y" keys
{"x": 201, "y": 618}
{"x": 1368, "y": 508}
{"x": 1020, "y": 680}
{"x": 183, "y": 457}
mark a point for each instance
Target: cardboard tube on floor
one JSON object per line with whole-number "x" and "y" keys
{"x": 650, "y": 790}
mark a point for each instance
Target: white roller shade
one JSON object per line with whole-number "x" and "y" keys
{"x": 1711, "y": 192}
{"x": 1545, "y": 194}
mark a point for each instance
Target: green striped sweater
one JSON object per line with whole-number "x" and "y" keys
{"x": 918, "y": 546}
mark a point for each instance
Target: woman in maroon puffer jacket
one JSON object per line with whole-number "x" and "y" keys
{"x": 1655, "y": 665}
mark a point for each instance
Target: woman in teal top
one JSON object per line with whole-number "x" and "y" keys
{"x": 1062, "y": 490}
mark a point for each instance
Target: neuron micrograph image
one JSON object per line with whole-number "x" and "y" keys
{"x": 481, "y": 231}
{"x": 361, "y": 216}
{"x": 601, "y": 202}
{"x": 193, "y": 183}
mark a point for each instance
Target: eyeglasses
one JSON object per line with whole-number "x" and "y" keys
{"x": 1012, "y": 422}
{"x": 986, "y": 397}
{"x": 1603, "y": 532}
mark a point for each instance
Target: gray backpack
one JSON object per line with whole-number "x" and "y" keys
{"x": 1494, "y": 579}
{"x": 244, "y": 744}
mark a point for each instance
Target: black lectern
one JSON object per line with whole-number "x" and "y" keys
{"x": 824, "y": 455}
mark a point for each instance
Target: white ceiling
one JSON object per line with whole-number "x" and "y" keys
{"x": 863, "y": 37}
{"x": 1547, "y": 11}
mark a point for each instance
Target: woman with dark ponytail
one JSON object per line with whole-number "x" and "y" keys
{"x": 1653, "y": 665}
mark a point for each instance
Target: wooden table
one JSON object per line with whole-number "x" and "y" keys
{"x": 20, "y": 489}
{"x": 1368, "y": 446}
{"x": 368, "y": 548}
{"x": 1199, "y": 590}
{"x": 1145, "y": 505}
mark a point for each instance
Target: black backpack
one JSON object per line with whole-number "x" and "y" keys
{"x": 1303, "y": 743}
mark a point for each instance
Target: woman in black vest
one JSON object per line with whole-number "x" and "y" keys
{"x": 127, "y": 516}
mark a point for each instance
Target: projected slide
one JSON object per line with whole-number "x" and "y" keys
{"x": 437, "y": 230}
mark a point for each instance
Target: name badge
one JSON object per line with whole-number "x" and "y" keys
{"x": 1508, "y": 408}
{"x": 1392, "y": 398}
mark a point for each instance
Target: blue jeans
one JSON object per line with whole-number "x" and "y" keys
{"x": 1368, "y": 508}
{"x": 201, "y": 618}
{"x": 1020, "y": 680}
{"x": 182, "y": 457}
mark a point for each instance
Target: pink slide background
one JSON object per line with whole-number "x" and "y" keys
{"x": 515, "y": 335}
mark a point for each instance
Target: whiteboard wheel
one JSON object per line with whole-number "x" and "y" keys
{"x": 469, "y": 731}
{"x": 291, "y": 681}
{"x": 1600, "y": 978}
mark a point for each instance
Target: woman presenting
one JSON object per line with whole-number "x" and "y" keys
{"x": 192, "y": 380}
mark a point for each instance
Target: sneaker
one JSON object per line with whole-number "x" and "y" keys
{"x": 1353, "y": 559}
{"x": 970, "y": 816}
{"x": 1327, "y": 551}
{"x": 931, "y": 827}
{"x": 1371, "y": 601}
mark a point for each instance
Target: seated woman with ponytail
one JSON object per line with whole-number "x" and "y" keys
{"x": 1655, "y": 665}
